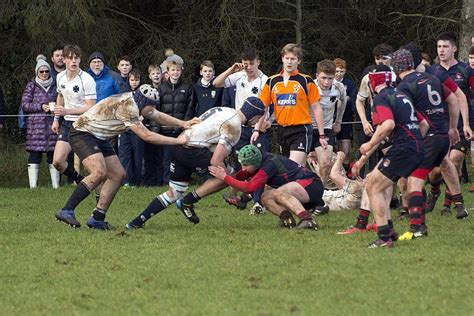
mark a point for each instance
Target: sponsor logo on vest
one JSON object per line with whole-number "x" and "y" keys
{"x": 286, "y": 99}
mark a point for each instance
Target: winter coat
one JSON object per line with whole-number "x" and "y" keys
{"x": 176, "y": 100}
{"x": 39, "y": 136}
{"x": 206, "y": 97}
{"x": 105, "y": 83}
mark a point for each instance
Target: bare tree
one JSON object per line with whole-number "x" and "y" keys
{"x": 467, "y": 28}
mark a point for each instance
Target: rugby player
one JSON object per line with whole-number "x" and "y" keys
{"x": 76, "y": 94}
{"x": 333, "y": 96}
{"x": 463, "y": 76}
{"x": 393, "y": 114}
{"x": 428, "y": 96}
{"x": 292, "y": 185}
{"x": 209, "y": 143}
{"x": 340, "y": 193}
{"x": 89, "y": 139}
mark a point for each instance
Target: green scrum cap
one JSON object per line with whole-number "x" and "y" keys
{"x": 250, "y": 155}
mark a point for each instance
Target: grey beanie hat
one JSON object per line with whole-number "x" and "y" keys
{"x": 41, "y": 62}
{"x": 96, "y": 55}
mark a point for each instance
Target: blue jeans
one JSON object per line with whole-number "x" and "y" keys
{"x": 130, "y": 152}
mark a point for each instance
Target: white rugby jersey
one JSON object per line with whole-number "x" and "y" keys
{"x": 328, "y": 101}
{"x": 348, "y": 198}
{"x": 245, "y": 88}
{"x": 110, "y": 117}
{"x": 220, "y": 125}
{"x": 75, "y": 91}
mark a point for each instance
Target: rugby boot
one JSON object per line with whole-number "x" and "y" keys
{"x": 352, "y": 230}
{"x": 258, "y": 209}
{"x": 287, "y": 223}
{"x": 188, "y": 211}
{"x": 307, "y": 224}
{"x": 320, "y": 210}
{"x": 379, "y": 243}
{"x": 131, "y": 225}
{"x": 235, "y": 200}
{"x": 68, "y": 217}
{"x": 414, "y": 233}
{"x": 461, "y": 212}
{"x": 95, "y": 224}
{"x": 446, "y": 211}
{"x": 431, "y": 202}
{"x": 393, "y": 234}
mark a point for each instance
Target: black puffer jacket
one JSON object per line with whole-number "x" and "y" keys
{"x": 176, "y": 100}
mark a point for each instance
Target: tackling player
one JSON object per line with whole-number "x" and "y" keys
{"x": 293, "y": 185}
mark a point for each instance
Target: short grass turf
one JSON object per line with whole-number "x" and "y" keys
{"x": 229, "y": 264}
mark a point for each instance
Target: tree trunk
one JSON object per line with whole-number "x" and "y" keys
{"x": 467, "y": 29}
{"x": 298, "y": 23}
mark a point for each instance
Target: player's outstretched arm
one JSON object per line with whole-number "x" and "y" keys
{"x": 153, "y": 138}
{"x": 161, "y": 118}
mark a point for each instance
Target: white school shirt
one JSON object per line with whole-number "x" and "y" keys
{"x": 245, "y": 88}
{"x": 76, "y": 91}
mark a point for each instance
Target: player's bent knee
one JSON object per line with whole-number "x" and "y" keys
{"x": 177, "y": 189}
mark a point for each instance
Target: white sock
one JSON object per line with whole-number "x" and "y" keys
{"x": 55, "y": 176}
{"x": 33, "y": 170}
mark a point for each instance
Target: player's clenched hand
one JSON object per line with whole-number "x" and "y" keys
{"x": 217, "y": 172}
{"x": 55, "y": 127}
{"x": 237, "y": 67}
{"x": 60, "y": 110}
{"x": 467, "y": 132}
{"x": 324, "y": 142}
{"x": 453, "y": 136}
{"x": 188, "y": 124}
{"x": 254, "y": 137}
{"x": 368, "y": 129}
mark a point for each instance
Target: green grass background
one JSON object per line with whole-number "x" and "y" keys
{"x": 229, "y": 264}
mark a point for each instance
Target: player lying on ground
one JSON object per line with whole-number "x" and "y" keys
{"x": 89, "y": 140}
{"x": 293, "y": 186}
{"x": 344, "y": 193}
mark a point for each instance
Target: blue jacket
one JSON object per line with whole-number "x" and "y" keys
{"x": 206, "y": 97}
{"x": 105, "y": 83}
